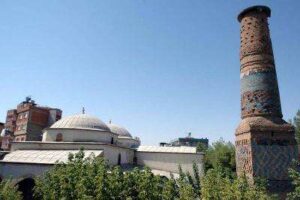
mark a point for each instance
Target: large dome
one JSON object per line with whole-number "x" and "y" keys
{"x": 119, "y": 130}
{"x": 81, "y": 121}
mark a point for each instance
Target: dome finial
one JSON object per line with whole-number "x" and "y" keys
{"x": 83, "y": 110}
{"x": 110, "y": 121}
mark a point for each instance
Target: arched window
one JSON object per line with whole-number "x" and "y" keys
{"x": 59, "y": 137}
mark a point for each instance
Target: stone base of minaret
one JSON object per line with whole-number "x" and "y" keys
{"x": 265, "y": 148}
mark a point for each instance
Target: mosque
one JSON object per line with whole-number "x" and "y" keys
{"x": 28, "y": 159}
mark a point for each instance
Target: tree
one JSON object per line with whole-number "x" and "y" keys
{"x": 296, "y": 123}
{"x": 170, "y": 190}
{"x": 91, "y": 178}
{"x": 221, "y": 155}
{"x": 295, "y": 176}
{"x": 201, "y": 147}
{"x": 218, "y": 186}
{"x": 79, "y": 178}
{"x": 8, "y": 191}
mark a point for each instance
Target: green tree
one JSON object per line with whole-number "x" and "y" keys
{"x": 8, "y": 191}
{"x": 91, "y": 178}
{"x": 218, "y": 186}
{"x": 201, "y": 147}
{"x": 221, "y": 155}
{"x": 295, "y": 176}
{"x": 79, "y": 178}
{"x": 296, "y": 123}
{"x": 197, "y": 184}
{"x": 186, "y": 189}
{"x": 149, "y": 185}
{"x": 170, "y": 190}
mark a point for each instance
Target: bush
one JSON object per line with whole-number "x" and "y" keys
{"x": 221, "y": 155}
{"x": 217, "y": 185}
{"x": 92, "y": 178}
{"x": 8, "y": 191}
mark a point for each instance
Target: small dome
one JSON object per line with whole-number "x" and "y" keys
{"x": 119, "y": 130}
{"x": 81, "y": 121}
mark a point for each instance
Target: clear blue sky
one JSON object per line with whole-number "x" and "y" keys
{"x": 161, "y": 68}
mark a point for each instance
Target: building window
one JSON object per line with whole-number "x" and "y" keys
{"x": 26, "y": 115}
{"x": 112, "y": 140}
{"x": 59, "y": 137}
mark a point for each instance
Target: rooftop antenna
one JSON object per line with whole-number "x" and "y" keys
{"x": 83, "y": 110}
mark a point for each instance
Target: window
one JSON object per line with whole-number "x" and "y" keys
{"x": 26, "y": 115}
{"x": 112, "y": 140}
{"x": 59, "y": 137}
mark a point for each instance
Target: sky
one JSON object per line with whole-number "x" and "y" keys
{"x": 159, "y": 68}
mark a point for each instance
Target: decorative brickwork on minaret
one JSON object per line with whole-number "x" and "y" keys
{"x": 265, "y": 143}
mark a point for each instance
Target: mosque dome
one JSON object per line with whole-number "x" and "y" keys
{"x": 80, "y": 121}
{"x": 119, "y": 130}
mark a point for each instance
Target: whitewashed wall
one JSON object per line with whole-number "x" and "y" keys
{"x": 18, "y": 171}
{"x": 170, "y": 161}
{"x": 111, "y": 152}
{"x": 127, "y": 142}
{"x": 79, "y": 135}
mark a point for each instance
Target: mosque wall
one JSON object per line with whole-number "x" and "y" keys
{"x": 171, "y": 161}
{"x": 76, "y": 135}
{"x": 19, "y": 171}
{"x": 128, "y": 142}
{"x": 111, "y": 152}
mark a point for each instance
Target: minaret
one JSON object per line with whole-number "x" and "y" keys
{"x": 265, "y": 143}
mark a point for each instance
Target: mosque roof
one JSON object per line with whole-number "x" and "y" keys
{"x": 81, "y": 121}
{"x": 45, "y": 156}
{"x": 119, "y": 130}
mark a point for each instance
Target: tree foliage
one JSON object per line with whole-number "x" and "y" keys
{"x": 92, "y": 178}
{"x": 296, "y": 123}
{"x": 201, "y": 147}
{"x": 8, "y": 191}
{"x": 295, "y": 176}
{"x": 219, "y": 186}
{"x": 221, "y": 155}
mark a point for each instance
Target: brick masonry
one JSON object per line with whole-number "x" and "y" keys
{"x": 265, "y": 143}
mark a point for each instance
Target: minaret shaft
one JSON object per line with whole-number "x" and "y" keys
{"x": 265, "y": 143}
{"x": 259, "y": 88}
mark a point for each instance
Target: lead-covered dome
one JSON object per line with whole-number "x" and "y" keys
{"x": 81, "y": 121}
{"x": 119, "y": 130}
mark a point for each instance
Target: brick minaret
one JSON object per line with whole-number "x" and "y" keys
{"x": 265, "y": 143}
